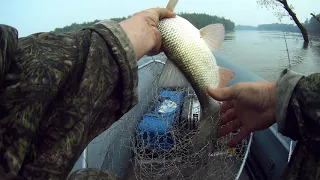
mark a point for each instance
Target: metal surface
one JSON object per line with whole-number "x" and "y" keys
{"x": 85, "y": 157}
{"x": 150, "y": 62}
{"x": 191, "y": 112}
{"x": 290, "y": 150}
{"x": 245, "y": 157}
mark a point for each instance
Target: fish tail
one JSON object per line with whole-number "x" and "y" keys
{"x": 172, "y": 5}
{"x": 209, "y": 124}
{"x": 207, "y": 129}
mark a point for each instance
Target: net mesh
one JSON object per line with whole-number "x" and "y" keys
{"x": 154, "y": 139}
{"x": 162, "y": 143}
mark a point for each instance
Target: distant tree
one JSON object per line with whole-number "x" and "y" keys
{"x": 278, "y": 27}
{"x": 276, "y": 4}
{"x": 314, "y": 16}
{"x": 199, "y": 20}
{"x": 75, "y": 26}
{"x": 313, "y": 24}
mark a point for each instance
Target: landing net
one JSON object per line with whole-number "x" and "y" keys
{"x": 162, "y": 140}
{"x": 153, "y": 141}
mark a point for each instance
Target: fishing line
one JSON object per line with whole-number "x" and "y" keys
{"x": 287, "y": 49}
{"x": 285, "y": 39}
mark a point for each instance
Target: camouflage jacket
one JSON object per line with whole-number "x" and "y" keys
{"x": 298, "y": 117}
{"x": 57, "y": 93}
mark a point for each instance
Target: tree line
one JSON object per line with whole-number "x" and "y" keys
{"x": 270, "y": 27}
{"x": 278, "y": 27}
{"x": 199, "y": 20}
{"x": 278, "y": 6}
{"x": 312, "y": 25}
{"x": 76, "y": 26}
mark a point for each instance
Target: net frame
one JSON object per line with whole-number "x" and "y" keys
{"x": 178, "y": 161}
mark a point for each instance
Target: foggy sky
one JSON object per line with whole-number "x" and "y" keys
{"x": 31, "y": 16}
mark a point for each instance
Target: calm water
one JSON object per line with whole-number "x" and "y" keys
{"x": 264, "y": 52}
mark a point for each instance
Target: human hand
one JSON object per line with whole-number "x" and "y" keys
{"x": 247, "y": 106}
{"x": 142, "y": 30}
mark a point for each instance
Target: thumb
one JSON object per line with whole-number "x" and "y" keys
{"x": 223, "y": 94}
{"x": 164, "y": 13}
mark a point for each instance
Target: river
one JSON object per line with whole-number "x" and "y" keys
{"x": 264, "y": 52}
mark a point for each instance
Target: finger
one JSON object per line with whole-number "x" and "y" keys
{"x": 242, "y": 134}
{"x": 228, "y": 117}
{"x": 164, "y": 13}
{"x": 172, "y": 5}
{"x": 224, "y": 94}
{"x": 232, "y": 126}
{"x": 226, "y": 106}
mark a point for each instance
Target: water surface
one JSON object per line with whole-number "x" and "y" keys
{"x": 265, "y": 52}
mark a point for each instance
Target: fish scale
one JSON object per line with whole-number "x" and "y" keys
{"x": 184, "y": 46}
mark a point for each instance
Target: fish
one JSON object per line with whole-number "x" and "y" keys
{"x": 190, "y": 61}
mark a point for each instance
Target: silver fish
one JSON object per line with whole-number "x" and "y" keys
{"x": 191, "y": 60}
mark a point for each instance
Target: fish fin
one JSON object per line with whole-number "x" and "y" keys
{"x": 172, "y": 4}
{"x": 172, "y": 77}
{"x": 213, "y": 35}
{"x": 207, "y": 130}
{"x": 226, "y": 76}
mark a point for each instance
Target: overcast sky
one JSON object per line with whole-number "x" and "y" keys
{"x": 30, "y": 16}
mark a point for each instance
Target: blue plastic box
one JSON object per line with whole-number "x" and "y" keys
{"x": 155, "y": 126}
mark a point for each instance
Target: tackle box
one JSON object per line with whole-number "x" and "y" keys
{"x": 155, "y": 126}
{"x": 175, "y": 106}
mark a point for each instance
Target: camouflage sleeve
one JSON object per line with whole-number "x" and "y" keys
{"x": 60, "y": 92}
{"x": 8, "y": 44}
{"x": 298, "y": 108}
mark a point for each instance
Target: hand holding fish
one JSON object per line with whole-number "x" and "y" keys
{"x": 142, "y": 30}
{"x": 247, "y": 106}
